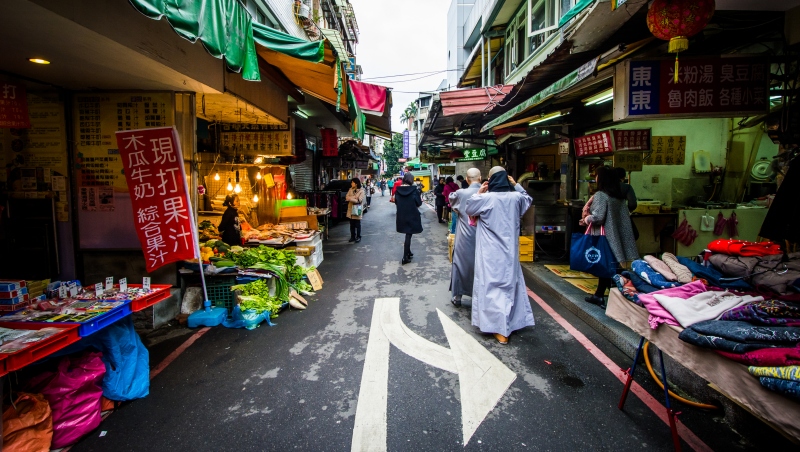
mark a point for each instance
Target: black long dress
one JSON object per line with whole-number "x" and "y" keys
{"x": 408, "y": 200}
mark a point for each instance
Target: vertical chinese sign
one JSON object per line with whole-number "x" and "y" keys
{"x": 719, "y": 87}
{"x": 13, "y": 106}
{"x": 330, "y": 143}
{"x": 667, "y": 151}
{"x": 153, "y": 164}
{"x": 406, "y": 144}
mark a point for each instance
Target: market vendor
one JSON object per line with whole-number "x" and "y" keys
{"x": 230, "y": 227}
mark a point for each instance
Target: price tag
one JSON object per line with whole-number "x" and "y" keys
{"x": 315, "y": 279}
{"x": 73, "y": 290}
{"x": 146, "y": 283}
{"x": 98, "y": 288}
{"x": 62, "y": 292}
{"x": 123, "y": 285}
{"x": 109, "y": 283}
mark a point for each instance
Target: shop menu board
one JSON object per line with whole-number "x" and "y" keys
{"x": 632, "y": 140}
{"x": 13, "y": 106}
{"x": 33, "y": 161}
{"x": 256, "y": 139}
{"x": 97, "y": 117}
{"x": 667, "y": 150}
{"x": 330, "y": 143}
{"x": 595, "y": 144}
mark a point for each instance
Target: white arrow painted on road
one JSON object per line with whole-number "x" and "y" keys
{"x": 482, "y": 378}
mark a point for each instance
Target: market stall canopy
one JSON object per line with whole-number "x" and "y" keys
{"x": 472, "y": 71}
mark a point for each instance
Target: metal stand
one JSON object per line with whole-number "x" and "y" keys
{"x": 671, "y": 414}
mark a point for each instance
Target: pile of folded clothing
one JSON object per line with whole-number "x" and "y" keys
{"x": 743, "y": 303}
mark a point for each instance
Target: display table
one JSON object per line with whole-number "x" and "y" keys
{"x": 729, "y": 377}
{"x": 326, "y": 215}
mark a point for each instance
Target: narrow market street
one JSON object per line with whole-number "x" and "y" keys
{"x": 296, "y": 385}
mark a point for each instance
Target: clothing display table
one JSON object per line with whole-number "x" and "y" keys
{"x": 728, "y": 377}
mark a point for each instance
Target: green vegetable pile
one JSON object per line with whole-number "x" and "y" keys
{"x": 255, "y": 295}
{"x": 282, "y": 263}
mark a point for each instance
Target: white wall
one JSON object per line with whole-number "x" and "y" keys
{"x": 284, "y": 12}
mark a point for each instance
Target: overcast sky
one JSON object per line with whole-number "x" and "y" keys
{"x": 401, "y": 37}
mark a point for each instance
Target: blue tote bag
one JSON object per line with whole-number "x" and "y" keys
{"x": 591, "y": 254}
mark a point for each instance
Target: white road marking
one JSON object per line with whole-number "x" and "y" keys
{"x": 369, "y": 431}
{"x": 483, "y": 379}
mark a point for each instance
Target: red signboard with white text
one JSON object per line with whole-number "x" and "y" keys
{"x": 13, "y": 106}
{"x": 600, "y": 143}
{"x": 153, "y": 164}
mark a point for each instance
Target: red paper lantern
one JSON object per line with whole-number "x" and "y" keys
{"x": 677, "y": 20}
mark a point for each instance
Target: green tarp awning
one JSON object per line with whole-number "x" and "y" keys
{"x": 574, "y": 11}
{"x": 288, "y": 45}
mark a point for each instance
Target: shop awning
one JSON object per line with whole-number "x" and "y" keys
{"x": 565, "y": 82}
{"x": 223, "y": 26}
{"x": 574, "y": 11}
{"x": 472, "y": 72}
{"x": 476, "y": 100}
{"x": 335, "y": 38}
{"x": 301, "y": 49}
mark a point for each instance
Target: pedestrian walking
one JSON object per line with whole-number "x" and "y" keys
{"x": 369, "y": 189}
{"x": 500, "y": 300}
{"x": 460, "y": 181}
{"x": 462, "y": 270}
{"x": 397, "y": 184}
{"x": 609, "y": 209}
{"x": 449, "y": 187}
{"x": 390, "y": 184}
{"x": 409, "y": 221}
{"x": 355, "y": 208}
{"x": 383, "y": 187}
{"x": 440, "y": 201}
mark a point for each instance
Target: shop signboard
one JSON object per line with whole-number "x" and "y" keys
{"x": 471, "y": 155}
{"x": 330, "y": 143}
{"x": 632, "y": 140}
{"x": 595, "y": 144}
{"x": 257, "y": 139}
{"x": 630, "y": 161}
{"x": 163, "y": 218}
{"x": 667, "y": 150}
{"x": 563, "y": 146}
{"x": 406, "y": 141}
{"x": 13, "y": 106}
{"x": 706, "y": 87}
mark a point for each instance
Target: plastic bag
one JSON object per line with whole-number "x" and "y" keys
{"x": 126, "y": 359}
{"x": 246, "y": 319}
{"x": 29, "y": 426}
{"x": 74, "y": 394}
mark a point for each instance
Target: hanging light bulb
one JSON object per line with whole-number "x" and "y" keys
{"x": 258, "y": 175}
{"x": 255, "y": 198}
{"x": 237, "y": 188}
{"x": 288, "y": 196}
{"x": 216, "y": 176}
{"x": 230, "y": 186}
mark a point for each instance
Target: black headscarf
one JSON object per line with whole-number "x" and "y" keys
{"x": 499, "y": 183}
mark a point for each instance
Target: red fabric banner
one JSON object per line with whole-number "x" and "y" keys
{"x": 13, "y": 106}
{"x": 162, "y": 211}
{"x": 369, "y": 97}
{"x": 330, "y": 143}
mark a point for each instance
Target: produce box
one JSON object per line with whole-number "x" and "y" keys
{"x": 7, "y": 285}
{"x": 4, "y": 295}
{"x": 293, "y": 203}
{"x": 304, "y": 250}
{"x": 526, "y": 248}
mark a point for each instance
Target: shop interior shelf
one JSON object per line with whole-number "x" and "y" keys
{"x": 17, "y": 360}
{"x": 160, "y": 293}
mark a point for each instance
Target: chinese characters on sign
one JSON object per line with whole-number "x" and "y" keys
{"x": 472, "y": 155}
{"x": 706, "y": 86}
{"x": 162, "y": 214}
{"x": 13, "y": 106}
{"x": 599, "y": 143}
{"x": 667, "y": 151}
{"x": 330, "y": 143}
{"x": 97, "y": 118}
{"x": 632, "y": 140}
{"x": 406, "y": 141}
{"x": 630, "y": 161}
{"x": 256, "y": 139}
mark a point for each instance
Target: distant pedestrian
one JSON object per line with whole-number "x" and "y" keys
{"x": 355, "y": 205}
{"x": 463, "y": 268}
{"x": 409, "y": 221}
{"x": 390, "y": 184}
{"x": 369, "y": 189}
{"x": 383, "y": 186}
{"x": 449, "y": 187}
{"x": 440, "y": 201}
{"x": 460, "y": 181}
{"x": 500, "y": 302}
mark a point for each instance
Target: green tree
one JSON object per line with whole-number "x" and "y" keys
{"x": 392, "y": 151}
{"x": 410, "y": 115}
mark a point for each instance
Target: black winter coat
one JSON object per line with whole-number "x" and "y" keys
{"x": 439, "y": 193}
{"x": 408, "y": 200}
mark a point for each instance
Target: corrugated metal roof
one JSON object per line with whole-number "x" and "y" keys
{"x": 476, "y": 100}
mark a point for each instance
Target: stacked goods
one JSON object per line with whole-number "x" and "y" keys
{"x": 37, "y": 287}
{"x": 526, "y": 248}
{"x": 13, "y": 294}
{"x": 208, "y": 231}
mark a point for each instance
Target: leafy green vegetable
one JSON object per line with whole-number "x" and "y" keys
{"x": 283, "y": 263}
{"x": 255, "y": 295}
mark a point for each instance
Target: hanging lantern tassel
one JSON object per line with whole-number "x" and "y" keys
{"x": 676, "y": 68}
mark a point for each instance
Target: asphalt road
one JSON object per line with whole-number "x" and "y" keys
{"x": 296, "y": 385}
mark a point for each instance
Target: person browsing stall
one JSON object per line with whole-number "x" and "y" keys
{"x": 355, "y": 205}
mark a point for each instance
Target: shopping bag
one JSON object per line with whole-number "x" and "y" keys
{"x": 356, "y": 210}
{"x": 27, "y": 424}
{"x": 591, "y": 254}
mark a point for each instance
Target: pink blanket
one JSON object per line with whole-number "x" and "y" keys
{"x": 658, "y": 314}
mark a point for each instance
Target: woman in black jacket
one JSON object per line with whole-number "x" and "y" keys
{"x": 230, "y": 226}
{"x": 440, "y": 202}
{"x": 409, "y": 221}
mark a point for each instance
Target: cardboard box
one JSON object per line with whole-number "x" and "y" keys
{"x": 310, "y": 219}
